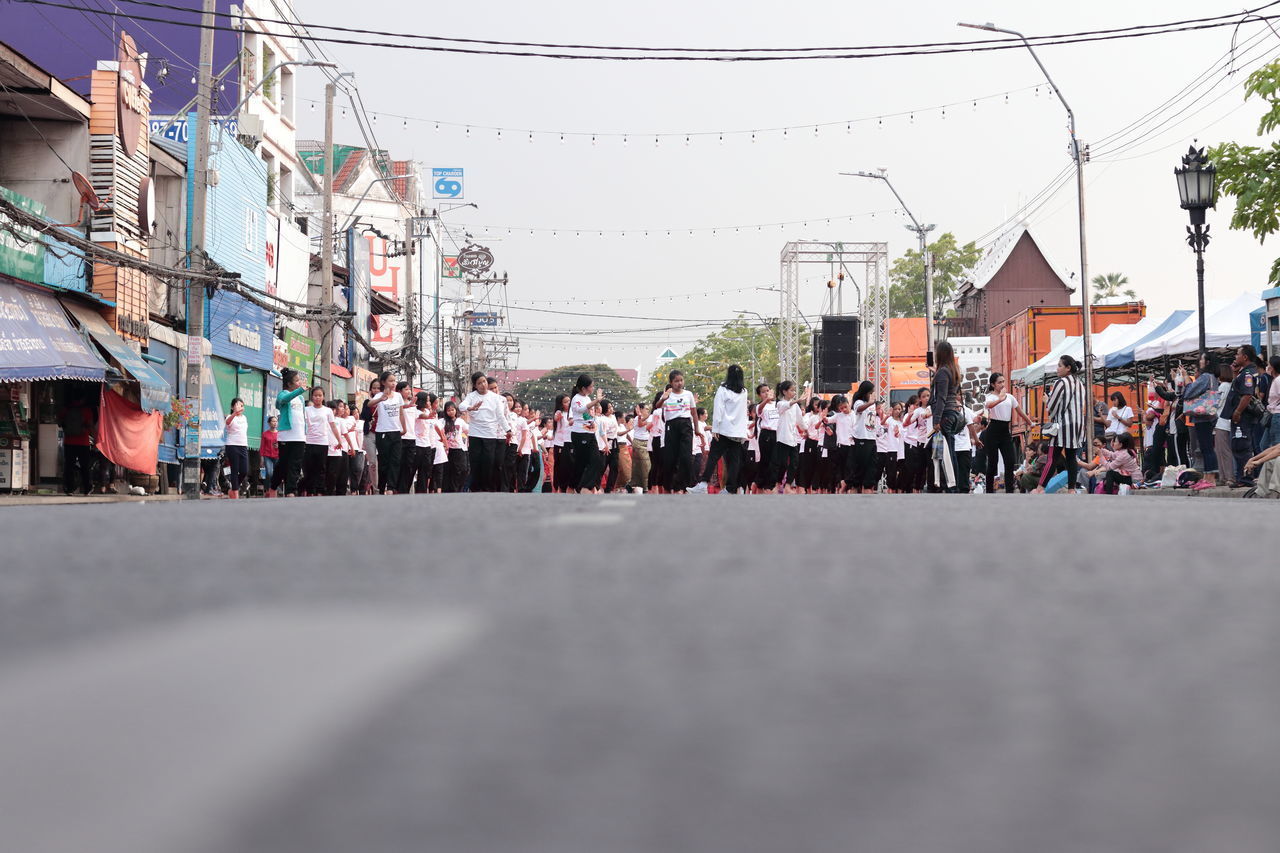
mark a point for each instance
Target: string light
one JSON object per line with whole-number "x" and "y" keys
{"x": 562, "y": 135}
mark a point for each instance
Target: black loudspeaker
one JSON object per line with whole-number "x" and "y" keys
{"x": 835, "y": 354}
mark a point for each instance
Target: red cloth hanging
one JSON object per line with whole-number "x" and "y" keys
{"x": 127, "y": 435}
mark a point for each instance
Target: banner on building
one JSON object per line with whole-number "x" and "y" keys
{"x": 383, "y": 276}
{"x": 22, "y": 257}
{"x": 302, "y": 353}
{"x": 449, "y": 266}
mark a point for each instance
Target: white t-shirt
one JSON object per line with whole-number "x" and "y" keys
{"x": 457, "y": 438}
{"x": 523, "y": 436}
{"x": 411, "y": 415}
{"x": 844, "y": 427}
{"x": 298, "y": 426}
{"x": 640, "y": 429}
{"x": 788, "y": 412}
{"x": 657, "y": 428}
{"x": 1114, "y": 427}
{"x": 898, "y": 443}
{"x": 562, "y": 429}
{"x": 701, "y": 439}
{"x": 352, "y": 428}
{"x": 580, "y": 419}
{"x": 1002, "y": 411}
{"x": 729, "y": 415}
{"x": 338, "y": 444}
{"x": 238, "y": 432}
{"x": 388, "y": 411}
{"x": 884, "y": 436}
{"x": 864, "y": 422}
{"x": 424, "y": 429}
{"x": 679, "y": 405}
{"x": 513, "y": 427}
{"x": 488, "y": 421}
{"x": 318, "y": 420}
{"x": 963, "y": 441}
{"x": 768, "y": 415}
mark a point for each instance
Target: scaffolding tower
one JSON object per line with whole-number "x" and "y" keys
{"x": 871, "y": 260}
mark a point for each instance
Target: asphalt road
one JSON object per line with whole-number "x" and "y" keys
{"x": 640, "y": 674}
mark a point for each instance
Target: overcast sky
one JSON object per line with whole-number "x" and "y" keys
{"x": 967, "y": 172}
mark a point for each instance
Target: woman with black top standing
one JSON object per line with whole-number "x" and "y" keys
{"x": 680, "y": 417}
{"x": 948, "y": 419}
{"x": 1066, "y": 412}
{"x": 1001, "y": 408}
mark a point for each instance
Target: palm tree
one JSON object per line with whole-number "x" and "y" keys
{"x": 1107, "y": 287}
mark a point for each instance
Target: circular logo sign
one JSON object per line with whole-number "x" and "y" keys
{"x": 475, "y": 260}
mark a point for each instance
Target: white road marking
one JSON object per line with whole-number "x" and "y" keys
{"x": 161, "y": 740}
{"x": 585, "y": 519}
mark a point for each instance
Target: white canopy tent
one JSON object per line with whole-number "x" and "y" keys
{"x": 1112, "y": 338}
{"x": 1225, "y": 326}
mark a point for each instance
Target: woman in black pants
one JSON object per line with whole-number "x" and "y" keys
{"x": 583, "y": 433}
{"x": 1001, "y": 407}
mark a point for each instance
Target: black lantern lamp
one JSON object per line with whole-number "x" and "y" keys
{"x": 1197, "y": 191}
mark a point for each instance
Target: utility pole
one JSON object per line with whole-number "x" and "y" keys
{"x": 409, "y": 352}
{"x": 195, "y": 291}
{"x": 326, "y": 248}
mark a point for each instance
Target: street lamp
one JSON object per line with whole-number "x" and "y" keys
{"x": 922, "y": 233}
{"x": 1198, "y": 191}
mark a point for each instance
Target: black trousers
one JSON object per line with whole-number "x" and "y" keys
{"x": 863, "y": 472}
{"x": 585, "y": 452}
{"x": 657, "y": 462}
{"x": 77, "y": 458}
{"x": 611, "y": 469}
{"x": 510, "y": 468}
{"x": 840, "y": 465}
{"x": 289, "y": 466}
{"x": 592, "y": 464}
{"x": 731, "y": 452}
{"x": 784, "y": 464}
{"x": 562, "y": 469}
{"x": 764, "y": 471}
{"x": 388, "y": 444}
{"x": 408, "y": 465}
{"x": 997, "y": 439}
{"x": 964, "y": 464}
{"x": 457, "y": 471}
{"x": 337, "y": 473}
{"x": 809, "y": 453}
{"x": 1063, "y": 459}
{"x": 485, "y": 455}
{"x": 238, "y": 458}
{"x": 887, "y": 464}
{"x": 679, "y": 445}
{"x": 1111, "y": 484}
{"x": 315, "y": 466}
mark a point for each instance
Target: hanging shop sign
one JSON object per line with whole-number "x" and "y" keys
{"x": 241, "y": 331}
{"x": 132, "y": 105}
{"x": 449, "y": 266}
{"x": 22, "y": 257}
{"x": 378, "y": 271}
{"x": 475, "y": 260}
{"x": 446, "y": 183}
{"x": 482, "y": 318}
{"x": 302, "y": 353}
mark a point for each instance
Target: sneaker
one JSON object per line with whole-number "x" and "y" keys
{"x": 698, "y": 489}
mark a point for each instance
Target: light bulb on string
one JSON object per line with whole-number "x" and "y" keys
{"x": 655, "y": 142}
{"x": 784, "y": 134}
{"x": 815, "y": 130}
{"x": 404, "y": 125}
{"x": 437, "y": 127}
{"x": 944, "y": 113}
{"x": 753, "y": 137}
{"x": 848, "y": 128}
{"x": 375, "y": 118}
{"x": 593, "y": 139}
{"x": 880, "y": 124}
{"x": 913, "y": 118}
{"x": 686, "y": 142}
{"x": 313, "y": 106}
{"x": 722, "y": 139}
{"x": 562, "y": 139}
{"x": 624, "y": 139}
{"x": 344, "y": 112}
{"x": 531, "y": 137}
{"x": 468, "y": 133}
{"x": 975, "y": 106}
{"x": 499, "y": 135}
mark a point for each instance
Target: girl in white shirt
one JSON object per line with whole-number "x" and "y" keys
{"x": 607, "y": 440}
{"x": 680, "y": 415}
{"x": 458, "y": 467}
{"x": 887, "y": 437}
{"x": 917, "y": 426}
{"x": 862, "y": 460}
{"x": 562, "y": 452}
{"x": 321, "y": 430}
{"x": 582, "y": 432}
{"x": 786, "y": 453}
{"x": 341, "y": 450}
{"x": 237, "y": 447}
{"x": 657, "y": 452}
{"x": 1119, "y": 416}
{"x": 488, "y": 433}
{"x": 728, "y": 431}
{"x": 1002, "y": 408}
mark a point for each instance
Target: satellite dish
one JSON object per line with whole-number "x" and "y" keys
{"x": 87, "y": 195}
{"x": 88, "y": 198}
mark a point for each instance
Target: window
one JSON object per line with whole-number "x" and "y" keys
{"x": 269, "y": 86}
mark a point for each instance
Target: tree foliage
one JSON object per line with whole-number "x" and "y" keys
{"x": 541, "y": 393}
{"x": 1106, "y": 287}
{"x": 1251, "y": 173}
{"x": 739, "y": 342}
{"x": 952, "y": 264}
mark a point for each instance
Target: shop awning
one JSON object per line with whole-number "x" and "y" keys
{"x": 155, "y": 391}
{"x": 38, "y": 342}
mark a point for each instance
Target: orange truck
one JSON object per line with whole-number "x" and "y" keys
{"x": 1028, "y": 336}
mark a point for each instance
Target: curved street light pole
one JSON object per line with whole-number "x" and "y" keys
{"x": 1077, "y": 154}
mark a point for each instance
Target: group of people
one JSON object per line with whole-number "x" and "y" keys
{"x": 780, "y": 438}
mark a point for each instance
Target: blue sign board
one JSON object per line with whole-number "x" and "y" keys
{"x": 212, "y": 421}
{"x": 240, "y": 331}
{"x": 446, "y": 183}
{"x": 483, "y": 318}
{"x": 176, "y": 128}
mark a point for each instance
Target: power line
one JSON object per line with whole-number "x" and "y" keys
{"x": 1013, "y": 42}
{"x": 870, "y": 52}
